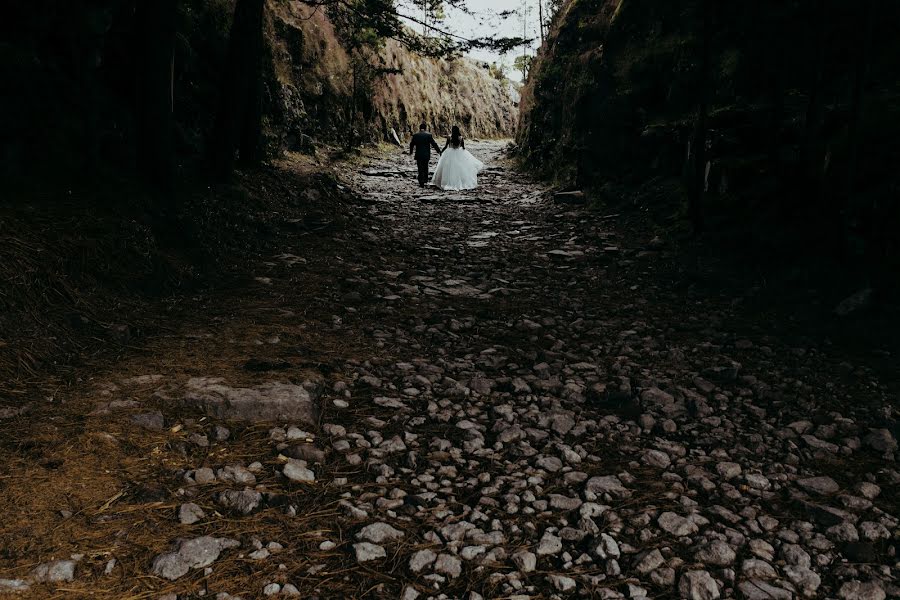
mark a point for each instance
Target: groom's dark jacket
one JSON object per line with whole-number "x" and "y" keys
{"x": 423, "y": 142}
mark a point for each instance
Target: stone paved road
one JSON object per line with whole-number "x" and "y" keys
{"x": 476, "y": 395}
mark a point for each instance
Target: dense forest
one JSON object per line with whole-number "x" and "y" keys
{"x": 776, "y": 122}
{"x": 176, "y": 85}
{"x": 118, "y": 115}
{"x": 630, "y": 332}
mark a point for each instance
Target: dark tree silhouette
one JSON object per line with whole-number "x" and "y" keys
{"x": 697, "y": 183}
{"x": 857, "y": 107}
{"x": 812, "y": 150}
{"x": 238, "y": 126}
{"x": 155, "y": 61}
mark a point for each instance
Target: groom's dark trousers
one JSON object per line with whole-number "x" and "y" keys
{"x": 421, "y": 144}
{"x": 423, "y": 169}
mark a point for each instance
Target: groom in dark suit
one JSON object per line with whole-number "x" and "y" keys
{"x": 421, "y": 145}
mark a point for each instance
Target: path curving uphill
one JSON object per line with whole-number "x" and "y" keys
{"x": 469, "y": 395}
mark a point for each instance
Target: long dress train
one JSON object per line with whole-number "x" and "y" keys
{"x": 457, "y": 170}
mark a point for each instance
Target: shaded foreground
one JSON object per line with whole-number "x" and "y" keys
{"x": 480, "y": 393}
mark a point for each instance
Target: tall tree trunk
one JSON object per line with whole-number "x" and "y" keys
{"x": 697, "y": 183}
{"x": 853, "y": 211}
{"x": 155, "y": 53}
{"x": 864, "y": 50}
{"x": 238, "y": 123}
{"x": 776, "y": 64}
{"x": 811, "y": 155}
{"x": 541, "y": 19}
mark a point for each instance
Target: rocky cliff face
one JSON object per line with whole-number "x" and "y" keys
{"x": 615, "y": 91}
{"x": 442, "y": 94}
{"x": 312, "y": 85}
{"x": 802, "y": 106}
{"x": 70, "y": 85}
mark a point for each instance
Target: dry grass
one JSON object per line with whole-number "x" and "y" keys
{"x": 442, "y": 94}
{"x": 77, "y": 481}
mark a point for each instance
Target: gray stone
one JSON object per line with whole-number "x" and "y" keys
{"x": 307, "y": 452}
{"x": 870, "y": 491}
{"x": 698, "y": 585}
{"x": 296, "y": 470}
{"x": 881, "y": 440}
{"x": 204, "y": 476}
{"x": 244, "y": 502}
{"x": 237, "y": 474}
{"x": 717, "y": 553}
{"x": 562, "y": 423}
{"x": 199, "y": 439}
{"x": 366, "y": 552}
{"x": 409, "y": 593}
{"x": 261, "y": 554}
{"x": 762, "y": 549}
{"x": 843, "y": 532}
{"x": 271, "y": 401}
{"x": 728, "y": 470}
{"x": 794, "y": 554}
{"x": 609, "y": 484}
{"x": 757, "y": 481}
{"x": 525, "y": 561}
{"x": 191, "y": 554}
{"x": 871, "y": 531}
{"x": 449, "y": 565}
{"x": 378, "y": 533}
{"x": 549, "y": 463}
{"x": 549, "y": 544}
{"x": 819, "y": 485}
{"x": 676, "y": 524}
{"x": 858, "y": 590}
{"x": 55, "y": 571}
{"x": 804, "y": 579}
{"x": 560, "y": 502}
{"x": 756, "y": 589}
{"x": 656, "y": 458}
{"x": 648, "y": 561}
{"x": 14, "y": 585}
{"x": 511, "y": 434}
{"x": 190, "y": 513}
{"x": 153, "y": 421}
{"x": 562, "y": 583}
{"x": 754, "y": 568}
{"x": 421, "y": 559}
{"x": 608, "y": 547}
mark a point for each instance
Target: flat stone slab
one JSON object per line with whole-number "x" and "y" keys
{"x": 13, "y": 585}
{"x": 55, "y": 571}
{"x": 271, "y": 401}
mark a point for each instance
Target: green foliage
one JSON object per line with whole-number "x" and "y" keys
{"x": 523, "y": 65}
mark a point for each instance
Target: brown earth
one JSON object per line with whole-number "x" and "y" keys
{"x": 444, "y": 302}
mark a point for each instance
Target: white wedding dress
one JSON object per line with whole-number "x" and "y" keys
{"x": 457, "y": 170}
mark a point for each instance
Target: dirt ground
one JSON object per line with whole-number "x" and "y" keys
{"x": 420, "y": 322}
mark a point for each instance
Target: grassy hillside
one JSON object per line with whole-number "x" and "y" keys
{"x": 442, "y": 94}
{"x": 311, "y": 90}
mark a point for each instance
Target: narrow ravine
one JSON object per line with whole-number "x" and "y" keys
{"x": 457, "y": 395}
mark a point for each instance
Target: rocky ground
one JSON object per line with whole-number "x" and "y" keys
{"x": 476, "y": 395}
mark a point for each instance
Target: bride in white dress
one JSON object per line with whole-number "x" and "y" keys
{"x": 457, "y": 169}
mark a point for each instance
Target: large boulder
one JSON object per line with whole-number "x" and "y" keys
{"x": 272, "y": 401}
